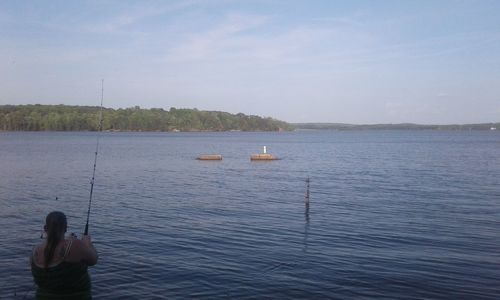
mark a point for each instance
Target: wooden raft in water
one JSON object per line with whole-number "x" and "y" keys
{"x": 263, "y": 156}
{"x": 209, "y": 157}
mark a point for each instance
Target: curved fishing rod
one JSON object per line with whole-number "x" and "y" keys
{"x": 95, "y": 159}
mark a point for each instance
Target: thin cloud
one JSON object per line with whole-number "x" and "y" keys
{"x": 328, "y": 62}
{"x": 122, "y": 22}
{"x": 215, "y": 41}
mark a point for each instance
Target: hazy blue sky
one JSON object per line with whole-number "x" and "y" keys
{"x": 324, "y": 61}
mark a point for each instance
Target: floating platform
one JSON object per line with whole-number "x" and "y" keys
{"x": 263, "y": 156}
{"x": 209, "y": 157}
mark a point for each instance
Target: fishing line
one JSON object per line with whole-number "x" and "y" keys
{"x": 99, "y": 130}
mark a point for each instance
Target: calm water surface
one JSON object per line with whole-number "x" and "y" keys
{"x": 393, "y": 214}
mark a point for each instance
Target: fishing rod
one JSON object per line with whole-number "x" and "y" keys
{"x": 95, "y": 159}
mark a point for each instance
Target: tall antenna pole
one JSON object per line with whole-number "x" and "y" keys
{"x": 95, "y": 159}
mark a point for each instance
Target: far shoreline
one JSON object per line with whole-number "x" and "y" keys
{"x": 354, "y": 128}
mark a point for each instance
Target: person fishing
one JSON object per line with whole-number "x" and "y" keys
{"x": 59, "y": 265}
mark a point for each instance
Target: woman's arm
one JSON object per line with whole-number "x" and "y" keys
{"x": 83, "y": 250}
{"x": 92, "y": 253}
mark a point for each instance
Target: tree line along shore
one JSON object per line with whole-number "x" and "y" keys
{"x": 85, "y": 118}
{"x": 39, "y": 117}
{"x": 401, "y": 126}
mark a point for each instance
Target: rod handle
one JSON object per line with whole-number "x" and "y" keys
{"x": 86, "y": 232}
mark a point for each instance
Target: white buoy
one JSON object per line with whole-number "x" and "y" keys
{"x": 265, "y": 150}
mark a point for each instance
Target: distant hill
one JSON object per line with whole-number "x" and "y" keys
{"x": 402, "y": 126}
{"x": 81, "y": 118}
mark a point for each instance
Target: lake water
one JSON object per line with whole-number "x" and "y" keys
{"x": 393, "y": 214}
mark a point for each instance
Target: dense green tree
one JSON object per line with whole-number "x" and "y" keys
{"x": 75, "y": 118}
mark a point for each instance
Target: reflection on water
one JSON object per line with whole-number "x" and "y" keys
{"x": 306, "y": 200}
{"x": 306, "y": 214}
{"x": 306, "y": 227}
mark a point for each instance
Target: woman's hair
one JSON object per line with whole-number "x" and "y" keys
{"x": 55, "y": 226}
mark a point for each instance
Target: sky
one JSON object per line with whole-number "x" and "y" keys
{"x": 359, "y": 62}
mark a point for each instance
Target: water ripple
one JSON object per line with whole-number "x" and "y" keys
{"x": 393, "y": 215}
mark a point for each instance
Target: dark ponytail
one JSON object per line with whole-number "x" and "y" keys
{"x": 55, "y": 227}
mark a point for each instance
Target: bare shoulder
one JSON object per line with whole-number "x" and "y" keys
{"x": 81, "y": 252}
{"x": 36, "y": 253}
{"x": 76, "y": 251}
{"x": 77, "y": 243}
{"x": 37, "y": 248}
